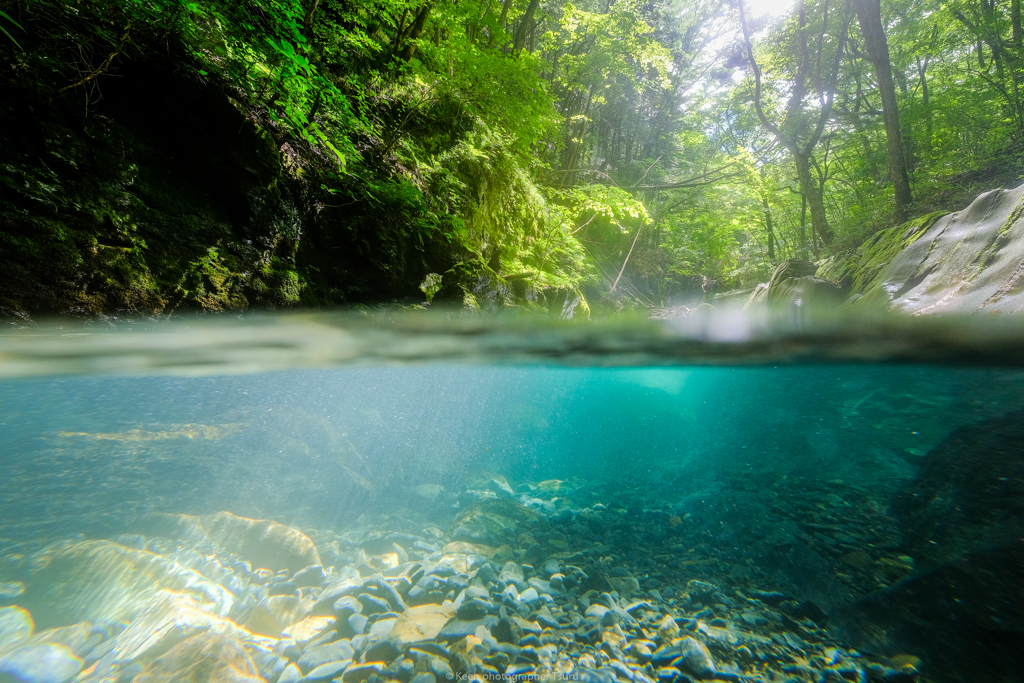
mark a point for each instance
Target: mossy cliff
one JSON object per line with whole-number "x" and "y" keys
{"x": 145, "y": 168}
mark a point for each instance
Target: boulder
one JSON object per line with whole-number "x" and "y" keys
{"x": 421, "y": 623}
{"x": 101, "y": 581}
{"x": 962, "y": 516}
{"x": 169, "y": 619}
{"x": 491, "y": 522}
{"x": 204, "y": 658}
{"x": 263, "y": 542}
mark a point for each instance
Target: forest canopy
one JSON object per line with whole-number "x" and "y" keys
{"x": 627, "y": 152}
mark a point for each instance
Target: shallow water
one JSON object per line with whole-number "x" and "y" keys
{"x": 715, "y": 479}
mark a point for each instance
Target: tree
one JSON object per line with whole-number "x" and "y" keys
{"x": 876, "y": 46}
{"x": 799, "y": 130}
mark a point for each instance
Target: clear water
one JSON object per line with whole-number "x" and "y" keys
{"x": 720, "y": 452}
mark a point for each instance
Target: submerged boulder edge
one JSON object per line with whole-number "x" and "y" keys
{"x": 263, "y": 542}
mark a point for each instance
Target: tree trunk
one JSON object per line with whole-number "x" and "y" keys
{"x": 869, "y": 14}
{"x": 769, "y": 228}
{"x": 813, "y": 194}
{"x": 415, "y": 32}
{"x": 524, "y": 28}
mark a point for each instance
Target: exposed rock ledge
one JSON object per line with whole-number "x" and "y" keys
{"x": 969, "y": 261}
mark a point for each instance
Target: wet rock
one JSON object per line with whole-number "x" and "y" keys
{"x": 963, "y": 518}
{"x": 202, "y": 659}
{"x": 421, "y": 623}
{"x": 313, "y": 657}
{"x": 357, "y": 673}
{"x": 491, "y": 522}
{"x": 326, "y": 672}
{"x": 382, "y": 651}
{"x": 40, "y": 663}
{"x": 263, "y": 542}
{"x": 169, "y": 619}
{"x": 101, "y": 581}
{"x": 694, "y": 658}
{"x": 272, "y": 615}
{"x": 512, "y": 573}
{"x": 472, "y": 609}
{"x": 308, "y": 629}
{"x": 456, "y": 630}
{"x": 15, "y": 624}
{"x": 310, "y": 576}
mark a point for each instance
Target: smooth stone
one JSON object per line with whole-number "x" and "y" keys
{"x": 357, "y": 624}
{"x": 270, "y": 616}
{"x": 345, "y": 607}
{"x": 585, "y": 675}
{"x": 15, "y": 624}
{"x": 460, "y": 629}
{"x": 170, "y": 618}
{"x": 512, "y": 573}
{"x": 596, "y": 611}
{"x": 540, "y": 585}
{"x": 291, "y": 674}
{"x": 519, "y": 669}
{"x": 215, "y": 658}
{"x": 528, "y": 626}
{"x": 313, "y": 657}
{"x": 310, "y": 576}
{"x": 103, "y": 582}
{"x": 529, "y": 595}
{"x": 695, "y": 658}
{"x": 626, "y": 585}
{"x": 383, "y": 651}
{"x": 283, "y": 588}
{"x": 472, "y": 610}
{"x": 308, "y": 629}
{"x": 381, "y": 629}
{"x": 327, "y": 671}
{"x": 263, "y": 542}
{"x": 545, "y": 618}
{"x": 550, "y": 567}
{"x": 357, "y": 673}
{"x": 421, "y": 623}
{"x": 40, "y": 663}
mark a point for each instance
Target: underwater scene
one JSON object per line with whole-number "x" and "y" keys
{"x": 417, "y": 505}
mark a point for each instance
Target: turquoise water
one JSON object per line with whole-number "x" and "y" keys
{"x": 856, "y": 520}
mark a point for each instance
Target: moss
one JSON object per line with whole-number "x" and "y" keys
{"x": 856, "y": 270}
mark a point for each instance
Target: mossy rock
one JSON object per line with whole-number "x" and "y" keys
{"x": 856, "y": 271}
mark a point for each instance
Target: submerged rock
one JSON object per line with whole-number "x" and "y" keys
{"x": 491, "y": 522}
{"x": 263, "y": 542}
{"x": 205, "y": 658}
{"x": 963, "y": 518}
{"x": 41, "y": 663}
{"x": 101, "y": 581}
{"x": 421, "y": 623}
{"x": 15, "y": 624}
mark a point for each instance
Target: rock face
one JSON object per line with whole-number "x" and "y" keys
{"x": 966, "y": 262}
{"x": 962, "y": 517}
{"x": 963, "y": 262}
{"x": 263, "y": 542}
